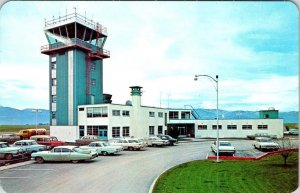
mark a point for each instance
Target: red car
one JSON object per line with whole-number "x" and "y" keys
{"x": 47, "y": 140}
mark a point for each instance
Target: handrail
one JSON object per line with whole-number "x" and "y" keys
{"x": 94, "y": 25}
{"x": 75, "y": 41}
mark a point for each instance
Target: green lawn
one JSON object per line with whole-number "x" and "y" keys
{"x": 263, "y": 176}
{"x": 16, "y": 128}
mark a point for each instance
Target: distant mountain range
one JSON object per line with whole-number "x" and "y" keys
{"x": 12, "y": 116}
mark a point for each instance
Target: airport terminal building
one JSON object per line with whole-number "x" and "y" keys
{"x": 79, "y": 107}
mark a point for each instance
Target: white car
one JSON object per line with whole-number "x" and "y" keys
{"x": 103, "y": 148}
{"x": 225, "y": 147}
{"x": 130, "y": 144}
{"x": 156, "y": 141}
{"x": 265, "y": 143}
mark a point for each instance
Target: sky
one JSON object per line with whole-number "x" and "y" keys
{"x": 251, "y": 46}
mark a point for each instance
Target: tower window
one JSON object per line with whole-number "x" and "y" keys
{"x": 93, "y": 81}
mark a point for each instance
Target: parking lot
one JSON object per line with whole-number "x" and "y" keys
{"x": 129, "y": 171}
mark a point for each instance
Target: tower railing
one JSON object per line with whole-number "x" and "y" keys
{"x": 79, "y": 18}
{"x": 74, "y": 41}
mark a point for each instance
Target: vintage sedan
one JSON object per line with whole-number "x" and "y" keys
{"x": 47, "y": 140}
{"x": 225, "y": 147}
{"x": 265, "y": 143}
{"x": 103, "y": 148}
{"x": 130, "y": 144}
{"x": 30, "y": 146}
{"x": 85, "y": 140}
{"x": 261, "y": 135}
{"x": 171, "y": 140}
{"x": 156, "y": 141}
{"x": 8, "y": 152}
{"x": 64, "y": 153}
{"x": 9, "y": 138}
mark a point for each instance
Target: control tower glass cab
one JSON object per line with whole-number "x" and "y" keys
{"x": 76, "y": 56}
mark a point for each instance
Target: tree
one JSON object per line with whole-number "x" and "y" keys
{"x": 286, "y": 145}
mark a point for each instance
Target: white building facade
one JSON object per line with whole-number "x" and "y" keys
{"x": 109, "y": 121}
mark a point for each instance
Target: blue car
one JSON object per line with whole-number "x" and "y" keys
{"x": 30, "y": 146}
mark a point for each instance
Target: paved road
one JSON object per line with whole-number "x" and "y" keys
{"x": 128, "y": 172}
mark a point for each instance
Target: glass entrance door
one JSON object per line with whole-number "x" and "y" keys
{"x": 102, "y": 134}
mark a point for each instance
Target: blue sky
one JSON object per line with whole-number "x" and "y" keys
{"x": 252, "y": 46}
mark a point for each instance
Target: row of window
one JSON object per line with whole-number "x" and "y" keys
{"x": 116, "y": 132}
{"x": 233, "y": 127}
{"x": 96, "y": 112}
{"x": 159, "y": 130}
{"x": 175, "y": 115}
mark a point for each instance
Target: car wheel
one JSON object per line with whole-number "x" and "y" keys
{"x": 39, "y": 160}
{"x": 130, "y": 148}
{"x": 104, "y": 153}
{"x": 8, "y": 156}
{"x": 75, "y": 161}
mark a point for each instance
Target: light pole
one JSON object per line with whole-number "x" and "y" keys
{"x": 217, "y": 89}
{"x": 36, "y": 112}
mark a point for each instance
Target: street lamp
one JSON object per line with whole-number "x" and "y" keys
{"x": 36, "y": 112}
{"x": 217, "y": 89}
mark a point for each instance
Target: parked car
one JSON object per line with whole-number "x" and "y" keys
{"x": 171, "y": 140}
{"x": 142, "y": 141}
{"x": 103, "y": 148}
{"x": 130, "y": 144}
{"x": 156, "y": 141}
{"x": 27, "y": 133}
{"x": 47, "y": 140}
{"x": 9, "y": 138}
{"x": 225, "y": 147}
{"x": 64, "y": 153}
{"x": 292, "y": 132}
{"x": 265, "y": 143}
{"x": 30, "y": 146}
{"x": 7, "y": 152}
{"x": 261, "y": 135}
{"x": 85, "y": 140}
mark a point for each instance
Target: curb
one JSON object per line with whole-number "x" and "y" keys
{"x": 154, "y": 182}
{"x": 16, "y": 165}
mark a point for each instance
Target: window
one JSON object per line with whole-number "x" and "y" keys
{"x": 116, "y": 132}
{"x": 247, "y": 127}
{"x": 185, "y": 115}
{"x": 151, "y": 114}
{"x": 65, "y": 150}
{"x": 160, "y": 130}
{"x": 93, "y": 66}
{"x": 53, "y": 98}
{"x": 92, "y": 130}
{"x": 53, "y": 81}
{"x": 125, "y": 113}
{"x": 215, "y": 127}
{"x": 93, "y": 82}
{"x": 53, "y": 66}
{"x": 53, "y": 114}
{"x": 173, "y": 115}
{"x": 81, "y": 131}
{"x": 125, "y": 131}
{"x": 160, "y": 114}
{"x": 81, "y": 109}
{"x": 262, "y": 126}
{"x": 151, "y": 130}
{"x": 97, "y": 112}
{"x": 53, "y": 58}
{"x": 231, "y": 127}
{"x": 202, "y": 127}
{"x": 116, "y": 112}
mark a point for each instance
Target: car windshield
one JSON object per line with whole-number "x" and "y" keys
{"x": 3, "y": 145}
{"x": 53, "y": 139}
{"x": 225, "y": 144}
{"x": 264, "y": 140}
{"x": 132, "y": 141}
{"x": 76, "y": 149}
{"x": 33, "y": 143}
{"x": 105, "y": 144}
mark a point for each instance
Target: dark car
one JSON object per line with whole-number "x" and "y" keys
{"x": 9, "y": 138}
{"x": 261, "y": 135}
{"x": 85, "y": 140}
{"x": 169, "y": 138}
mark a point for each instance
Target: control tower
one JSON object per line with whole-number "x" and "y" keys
{"x": 76, "y": 56}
